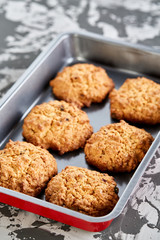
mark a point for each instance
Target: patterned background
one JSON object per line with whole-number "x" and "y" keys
{"x": 26, "y": 27}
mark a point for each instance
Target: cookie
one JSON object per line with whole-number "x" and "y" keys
{"x": 26, "y": 168}
{"x": 82, "y": 84}
{"x": 83, "y": 190}
{"x": 137, "y": 101}
{"x": 117, "y": 147}
{"x": 58, "y": 125}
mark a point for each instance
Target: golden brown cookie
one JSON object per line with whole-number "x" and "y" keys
{"x": 26, "y": 168}
{"x": 117, "y": 147}
{"x": 83, "y": 190}
{"x": 137, "y": 101}
{"x": 58, "y": 125}
{"x": 82, "y": 84}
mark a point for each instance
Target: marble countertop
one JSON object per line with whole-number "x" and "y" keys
{"x": 26, "y": 27}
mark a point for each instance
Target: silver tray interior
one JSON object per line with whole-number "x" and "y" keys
{"x": 121, "y": 61}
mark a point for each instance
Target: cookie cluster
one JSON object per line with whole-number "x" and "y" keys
{"x": 62, "y": 126}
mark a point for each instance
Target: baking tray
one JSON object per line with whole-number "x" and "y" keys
{"x": 121, "y": 61}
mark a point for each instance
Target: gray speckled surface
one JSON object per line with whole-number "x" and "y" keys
{"x": 26, "y": 27}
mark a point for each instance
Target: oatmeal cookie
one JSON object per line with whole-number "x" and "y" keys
{"x": 58, "y": 125}
{"x": 83, "y": 190}
{"x": 137, "y": 101}
{"x": 82, "y": 84}
{"x": 117, "y": 147}
{"x": 26, "y": 168}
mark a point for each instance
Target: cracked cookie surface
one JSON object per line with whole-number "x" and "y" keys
{"x": 26, "y": 168}
{"x": 117, "y": 147}
{"x": 82, "y": 84}
{"x": 137, "y": 101}
{"x": 58, "y": 125}
{"x": 83, "y": 190}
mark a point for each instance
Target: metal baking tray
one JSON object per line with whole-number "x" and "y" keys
{"x": 121, "y": 61}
